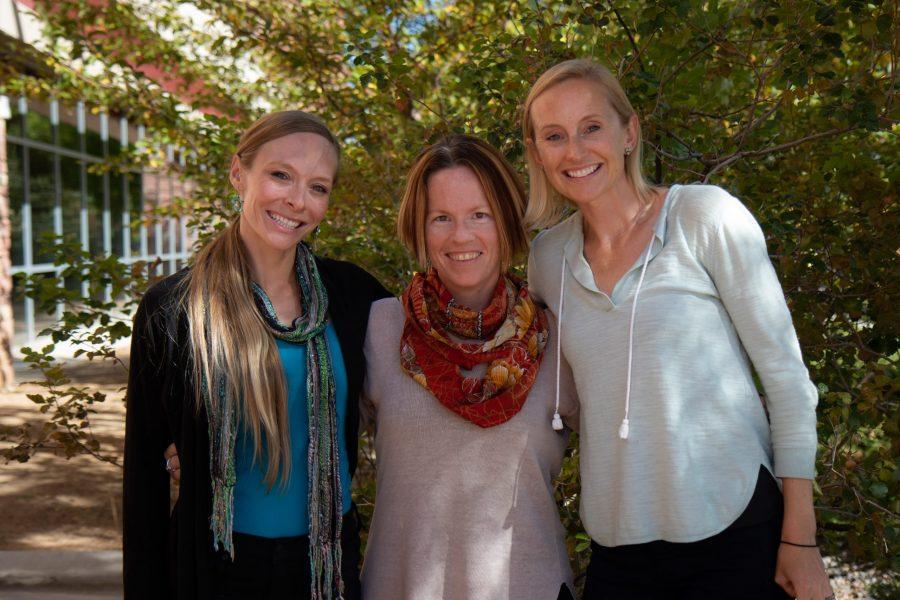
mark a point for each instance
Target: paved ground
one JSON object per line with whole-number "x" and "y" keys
{"x": 60, "y": 519}
{"x": 60, "y": 528}
{"x": 60, "y": 574}
{"x": 54, "y": 594}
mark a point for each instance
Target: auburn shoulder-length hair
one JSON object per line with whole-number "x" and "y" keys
{"x": 229, "y": 341}
{"x": 502, "y": 186}
{"x": 545, "y": 205}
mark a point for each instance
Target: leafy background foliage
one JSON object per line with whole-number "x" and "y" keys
{"x": 789, "y": 104}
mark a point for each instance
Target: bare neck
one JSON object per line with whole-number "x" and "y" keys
{"x": 475, "y": 299}
{"x": 614, "y": 216}
{"x": 271, "y": 268}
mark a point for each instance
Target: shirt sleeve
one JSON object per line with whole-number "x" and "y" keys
{"x": 738, "y": 262}
{"x": 146, "y": 482}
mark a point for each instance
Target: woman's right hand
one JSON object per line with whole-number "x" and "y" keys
{"x": 173, "y": 466}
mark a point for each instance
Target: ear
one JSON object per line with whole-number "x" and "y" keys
{"x": 631, "y": 131}
{"x": 235, "y": 174}
{"x": 532, "y": 151}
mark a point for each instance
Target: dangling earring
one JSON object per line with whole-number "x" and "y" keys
{"x": 237, "y": 203}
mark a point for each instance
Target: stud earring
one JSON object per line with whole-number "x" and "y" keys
{"x": 627, "y": 151}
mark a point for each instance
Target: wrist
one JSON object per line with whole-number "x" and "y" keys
{"x": 799, "y": 545}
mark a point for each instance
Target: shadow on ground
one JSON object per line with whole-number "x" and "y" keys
{"x": 54, "y": 502}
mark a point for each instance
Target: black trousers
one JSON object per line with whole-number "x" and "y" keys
{"x": 738, "y": 563}
{"x": 278, "y": 568}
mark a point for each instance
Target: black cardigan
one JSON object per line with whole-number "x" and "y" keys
{"x": 162, "y": 551}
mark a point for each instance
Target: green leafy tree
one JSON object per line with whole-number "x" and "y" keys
{"x": 790, "y": 104}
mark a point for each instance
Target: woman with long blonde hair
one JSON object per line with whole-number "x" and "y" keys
{"x": 667, "y": 303}
{"x": 247, "y": 367}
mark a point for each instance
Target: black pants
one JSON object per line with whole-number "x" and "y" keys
{"x": 278, "y": 568}
{"x": 738, "y": 563}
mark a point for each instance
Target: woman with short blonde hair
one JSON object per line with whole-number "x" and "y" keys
{"x": 545, "y": 205}
{"x": 667, "y": 303}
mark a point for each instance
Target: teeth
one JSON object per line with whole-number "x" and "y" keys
{"x": 583, "y": 172}
{"x": 464, "y": 255}
{"x": 283, "y": 221}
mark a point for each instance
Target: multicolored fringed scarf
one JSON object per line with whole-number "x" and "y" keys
{"x": 509, "y": 335}
{"x": 323, "y": 465}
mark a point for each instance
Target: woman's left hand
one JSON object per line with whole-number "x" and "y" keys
{"x": 801, "y": 572}
{"x": 173, "y": 465}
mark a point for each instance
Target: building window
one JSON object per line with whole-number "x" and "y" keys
{"x": 53, "y": 190}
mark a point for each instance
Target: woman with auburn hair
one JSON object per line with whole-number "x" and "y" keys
{"x": 247, "y": 366}
{"x": 667, "y": 302}
{"x": 469, "y": 400}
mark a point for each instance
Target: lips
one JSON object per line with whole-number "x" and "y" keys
{"x": 582, "y": 172}
{"x": 284, "y": 221}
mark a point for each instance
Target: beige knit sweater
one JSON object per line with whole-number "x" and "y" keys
{"x": 461, "y": 512}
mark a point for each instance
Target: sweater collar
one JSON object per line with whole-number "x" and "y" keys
{"x": 574, "y": 248}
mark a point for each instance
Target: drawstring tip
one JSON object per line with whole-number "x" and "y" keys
{"x": 557, "y": 422}
{"x": 623, "y": 429}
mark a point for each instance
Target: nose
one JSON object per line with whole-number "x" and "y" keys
{"x": 296, "y": 198}
{"x": 574, "y": 148}
{"x": 460, "y": 232}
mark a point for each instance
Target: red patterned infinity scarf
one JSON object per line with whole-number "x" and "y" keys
{"x": 509, "y": 335}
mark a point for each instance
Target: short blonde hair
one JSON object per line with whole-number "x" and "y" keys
{"x": 545, "y": 205}
{"x": 502, "y": 186}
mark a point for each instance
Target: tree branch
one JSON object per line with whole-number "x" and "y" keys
{"x": 719, "y": 164}
{"x": 634, "y": 46}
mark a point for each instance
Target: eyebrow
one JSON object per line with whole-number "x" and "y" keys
{"x": 590, "y": 117}
{"x": 280, "y": 164}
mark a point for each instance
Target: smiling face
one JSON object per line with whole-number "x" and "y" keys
{"x": 461, "y": 237}
{"x": 580, "y": 140}
{"x": 284, "y": 191}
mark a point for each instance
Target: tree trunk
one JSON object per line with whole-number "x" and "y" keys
{"x": 6, "y": 281}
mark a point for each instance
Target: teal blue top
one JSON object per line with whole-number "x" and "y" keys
{"x": 284, "y": 511}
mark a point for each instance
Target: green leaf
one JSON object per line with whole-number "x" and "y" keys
{"x": 879, "y": 490}
{"x": 832, "y": 38}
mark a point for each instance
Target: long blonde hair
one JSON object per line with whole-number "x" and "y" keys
{"x": 545, "y": 205}
{"x": 230, "y": 341}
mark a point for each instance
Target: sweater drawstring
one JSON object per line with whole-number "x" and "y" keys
{"x": 557, "y": 421}
{"x": 624, "y": 427}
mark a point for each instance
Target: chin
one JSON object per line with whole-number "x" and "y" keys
{"x": 283, "y": 243}
{"x": 466, "y": 284}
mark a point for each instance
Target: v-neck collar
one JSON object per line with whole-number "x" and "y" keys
{"x": 581, "y": 270}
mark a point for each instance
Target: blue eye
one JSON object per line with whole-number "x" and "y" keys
{"x": 280, "y": 175}
{"x": 592, "y": 128}
{"x": 553, "y": 137}
{"x": 320, "y": 189}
